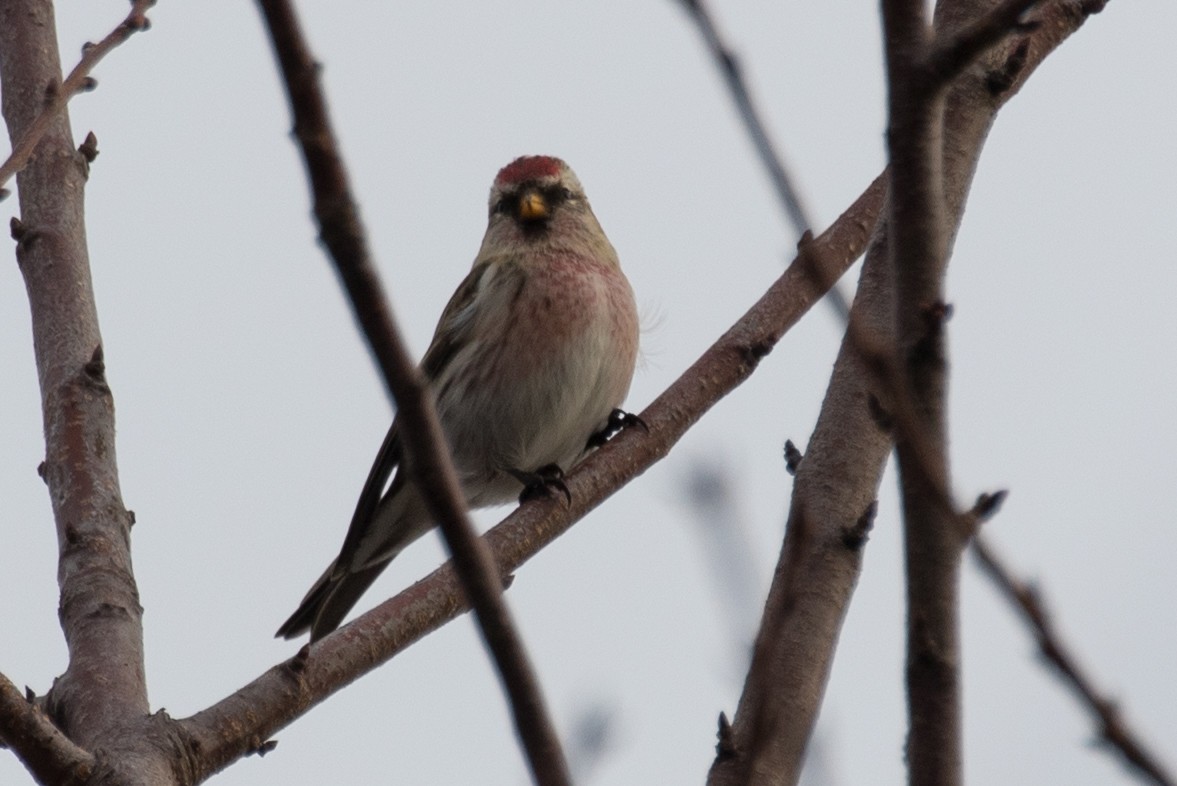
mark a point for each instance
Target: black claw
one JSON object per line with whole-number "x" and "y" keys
{"x": 618, "y": 419}
{"x": 539, "y": 484}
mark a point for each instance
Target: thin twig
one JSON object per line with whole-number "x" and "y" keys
{"x": 789, "y": 195}
{"x": 78, "y": 81}
{"x": 432, "y": 468}
{"x": 1114, "y": 730}
{"x": 48, "y": 754}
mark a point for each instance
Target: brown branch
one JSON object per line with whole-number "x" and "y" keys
{"x": 103, "y": 690}
{"x": 342, "y": 232}
{"x": 787, "y": 193}
{"x": 47, "y": 753}
{"x": 78, "y": 81}
{"x": 951, "y": 54}
{"x": 1114, "y": 730}
{"x": 839, "y": 477}
{"x": 225, "y": 730}
{"x": 918, "y": 231}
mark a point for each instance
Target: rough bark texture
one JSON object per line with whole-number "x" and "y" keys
{"x": 103, "y": 691}
{"x": 842, "y": 467}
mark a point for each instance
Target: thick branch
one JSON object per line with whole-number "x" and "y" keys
{"x": 843, "y": 464}
{"x": 343, "y": 234}
{"x": 47, "y": 753}
{"x": 227, "y": 730}
{"x": 104, "y": 686}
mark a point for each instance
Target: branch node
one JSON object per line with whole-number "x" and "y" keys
{"x": 936, "y": 314}
{"x": 138, "y": 23}
{"x": 1000, "y": 80}
{"x": 805, "y": 242}
{"x": 725, "y": 748}
{"x": 96, "y": 368}
{"x": 41, "y": 469}
{"x": 17, "y": 228}
{"x": 987, "y": 505}
{"x": 89, "y": 148}
{"x": 880, "y": 414}
{"x": 854, "y": 536}
{"x": 793, "y": 457}
{"x": 87, "y": 84}
{"x": 260, "y": 748}
{"x": 298, "y": 664}
{"x": 754, "y": 352}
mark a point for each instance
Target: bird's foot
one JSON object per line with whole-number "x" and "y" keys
{"x": 618, "y": 419}
{"x": 541, "y": 483}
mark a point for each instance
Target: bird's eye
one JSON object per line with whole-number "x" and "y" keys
{"x": 567, "y": 193}
{"x": 503, "y": 205}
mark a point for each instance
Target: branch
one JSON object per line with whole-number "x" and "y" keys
{"x": 919, "y": 255}
{"x": 78, "y": 81}
{"x": 342, "y": 232}
{"x": 226, "y": 730}
{"x": 103, "y": 689}
{"x": 951, "y": 54}
{"x": 47, "y": 753}
{"x": 1113, "y": 728}
{"x": 789, "y": 195}
{"x": 839, "y": 476}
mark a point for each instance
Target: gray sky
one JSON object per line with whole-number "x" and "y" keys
{"x": 248, "y": 410}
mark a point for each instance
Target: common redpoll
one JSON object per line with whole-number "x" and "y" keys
{"x": 530, "y": 360}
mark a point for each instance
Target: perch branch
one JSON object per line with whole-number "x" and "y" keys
{"x": 275, "y": 699}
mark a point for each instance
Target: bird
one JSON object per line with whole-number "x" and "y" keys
{"x": 529, "y": 365}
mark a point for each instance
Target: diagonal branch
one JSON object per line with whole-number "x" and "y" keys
{"x": 78, "y": 81}
{"x": 47, "y": 753}
{"x": 1115, "y": 731}
{"x": 787, "y": 192}
{"x": 342, "y": 232}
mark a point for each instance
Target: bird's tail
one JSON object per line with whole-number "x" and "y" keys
{"x": 329, "y": 601}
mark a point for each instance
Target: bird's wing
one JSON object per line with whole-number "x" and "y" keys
{"x": 453, "y": 331}
{"x": 456, "y": 324}
{"x": 387, "y": 460}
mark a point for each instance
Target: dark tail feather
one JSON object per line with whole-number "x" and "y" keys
{"x": 329, "y": 601}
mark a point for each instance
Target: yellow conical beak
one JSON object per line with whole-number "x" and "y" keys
{"x": 533, "y": 206}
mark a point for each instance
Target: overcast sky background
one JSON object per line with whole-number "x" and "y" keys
{"x": 249, "y": 411}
